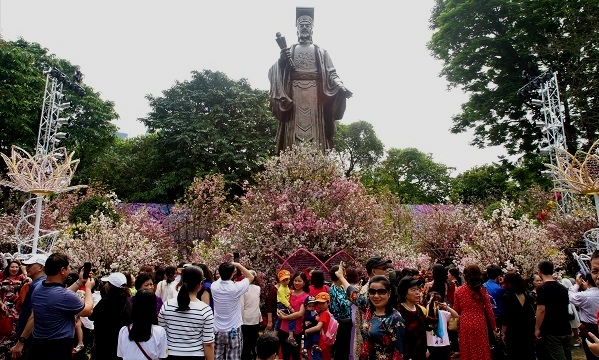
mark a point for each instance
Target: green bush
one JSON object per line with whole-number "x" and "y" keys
{"x": 92, "y": 206}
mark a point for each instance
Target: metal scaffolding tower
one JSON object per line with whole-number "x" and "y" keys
{"x": 551, "y": 125}
{"x": 30, "y": 237}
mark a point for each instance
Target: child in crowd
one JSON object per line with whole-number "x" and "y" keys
{"x": 311, "y": 320}
{"x": 283, "y": 295}
{"x": 324, "y": 318}
{"x": 71, "y": 279}
{"x": 437, "y": 318}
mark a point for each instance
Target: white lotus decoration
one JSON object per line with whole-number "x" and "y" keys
{"x": 40, "y": 174}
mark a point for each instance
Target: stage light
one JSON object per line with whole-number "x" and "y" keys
{"x": 61, "y": 135}
{"x": 536, "y": 102}
{"x": 540, "y": 124}
{"x": 547, "y": 173}
{"x": 63, "y": 121}
{"x": 547, "y": 149}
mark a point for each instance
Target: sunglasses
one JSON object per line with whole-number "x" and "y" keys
{"x": 377, "y": 291}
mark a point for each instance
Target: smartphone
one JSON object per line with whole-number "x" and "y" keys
{"x": 584, "y": 331}
{"x": 87, "y": 267}
{"x": 236, "y": 256}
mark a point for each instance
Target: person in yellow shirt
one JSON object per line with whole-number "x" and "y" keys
{"x": 283, "y": 295}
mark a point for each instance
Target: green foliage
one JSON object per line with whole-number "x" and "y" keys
{"x": 358, "y": 144}
{"x": 21, "y": 93}
{"x": 480, "y": 184}
{"x": 93, "y": 206}
{"x": 413, "y": 176}
{"x": 209, "y": 124}
{"x": 21, "y": 96}
{"x": 130, "y": 168}
{"x": 485, "y": 47}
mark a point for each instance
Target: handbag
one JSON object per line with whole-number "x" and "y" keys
{"x": 139, "y": 346}
{"x": 6, "y": 325}
{"x": 454, "y": 324}
{"x": 498, "y": 350}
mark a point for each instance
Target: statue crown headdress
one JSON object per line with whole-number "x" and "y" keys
{"x": 304, "y": 14}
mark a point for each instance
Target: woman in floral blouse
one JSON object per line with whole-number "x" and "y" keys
{"x": 383, "y": 328}
{"x": 11, "y": 281}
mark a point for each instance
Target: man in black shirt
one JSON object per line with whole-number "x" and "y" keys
{"x": 553, "y": 323}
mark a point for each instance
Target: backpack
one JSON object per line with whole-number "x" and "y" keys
{"x": 330, "y": 335}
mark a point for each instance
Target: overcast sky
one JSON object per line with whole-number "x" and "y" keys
{"x": 127, "y": 49}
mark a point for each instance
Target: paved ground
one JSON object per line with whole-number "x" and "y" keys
{"x": 578, "y": 354}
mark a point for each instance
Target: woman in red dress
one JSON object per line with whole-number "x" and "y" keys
{"x": 472, "y": 302}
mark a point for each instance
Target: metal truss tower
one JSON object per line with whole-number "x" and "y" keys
{"x": 48, "y": 136}
{"x": 551, "y": 125}
{"x": 30, "y": 237}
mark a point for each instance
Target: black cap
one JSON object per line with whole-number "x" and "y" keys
{"x": 406, "y": 283}
{"x": 376, "y": 262}
{"x": 309, "y": 300}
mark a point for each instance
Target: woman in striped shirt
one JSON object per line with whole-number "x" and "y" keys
{"x": 188, "y": 321}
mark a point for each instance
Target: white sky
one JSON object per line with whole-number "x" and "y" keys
{"x": 127, "y": 49}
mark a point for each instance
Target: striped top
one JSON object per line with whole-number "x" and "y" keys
{"x": 187, "y": 331}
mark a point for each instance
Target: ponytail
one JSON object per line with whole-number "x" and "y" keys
{"x": 183, "y": 299}
{"x": 191, "y": 277}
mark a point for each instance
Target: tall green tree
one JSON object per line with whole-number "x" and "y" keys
{"x": 358, "y": 143}
{"x": 21, "y": 92}
{"x": 481, "y": 184}
{"x": 486, "y": 46}
{"x": 22, "y": 80}
{"x": 414, "y": 176}
{"x": 130, "y": 167}
{"x": 210, "y": 124}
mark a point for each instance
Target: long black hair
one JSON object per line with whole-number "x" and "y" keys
{"x": 143, "y": 316}
{"x": 439, "y": 280}
{"x": 393, "y": 299}
{"x": 317, "y": 279}
{"x": 207, "y": 273}
{"x": 191, "y": 277}
{"x": 514, "y": 283}
{"x": 456, "y": 274}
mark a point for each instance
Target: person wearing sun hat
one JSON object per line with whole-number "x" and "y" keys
{"x": 283, "y": 296}
{"x": 323, "y": 300}
{"x": 110, "y": 315}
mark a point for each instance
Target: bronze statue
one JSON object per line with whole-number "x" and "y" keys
{"x": 306, "y": 94}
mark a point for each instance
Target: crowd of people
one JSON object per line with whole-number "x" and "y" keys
{"x": 50, "y": 311}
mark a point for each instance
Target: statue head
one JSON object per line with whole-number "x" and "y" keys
{"x": 304, "y": 24}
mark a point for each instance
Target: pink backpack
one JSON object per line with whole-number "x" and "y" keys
{"x": 328, "y": 337}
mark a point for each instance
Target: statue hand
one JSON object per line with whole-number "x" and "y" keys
{"x": 285, "y": 54}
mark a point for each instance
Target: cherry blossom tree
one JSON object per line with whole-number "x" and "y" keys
{"x": 118, "y": 246}
{"x": 302, "y": 199}
{"x": 201, "y": 214}
{"x": 509, "y": 242}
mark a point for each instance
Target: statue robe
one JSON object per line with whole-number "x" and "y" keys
{"x": 307, "y": 100}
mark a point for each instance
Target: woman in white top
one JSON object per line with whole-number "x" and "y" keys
{"x": 167, "y": 289}
{"x": 251, "y": 316}
{"x": 189, "y": 322}
{"x": 143, "y": 338}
